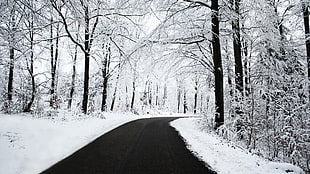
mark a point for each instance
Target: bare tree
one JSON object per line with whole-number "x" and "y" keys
{"x": 89, "y": 35}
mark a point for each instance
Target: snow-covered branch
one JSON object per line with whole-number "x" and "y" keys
{"x": 200, "y": 2}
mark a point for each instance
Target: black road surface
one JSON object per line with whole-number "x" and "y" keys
{"x": 144, "y": 146}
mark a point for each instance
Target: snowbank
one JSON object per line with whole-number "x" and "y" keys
{"x": 30, "y": 145}
{"x": 224, "y": 157}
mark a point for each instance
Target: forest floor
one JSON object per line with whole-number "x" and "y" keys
{"x": 31, "y": 144}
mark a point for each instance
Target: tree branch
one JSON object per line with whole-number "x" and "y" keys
{"x": 181, "y": 41}
{"x": 200, "y": 2}
{"x": 54, "y": 5}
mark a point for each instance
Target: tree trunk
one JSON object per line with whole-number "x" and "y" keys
{"x": 149, "y": 92}
{"x": 133, "y": 95}
{"x": 217, "y": 61}
{"x": 196, "y": 97}
{"x": 307, "y": 35}
{"x": 11, "y": 75}
{"x": 104, "y": 94}
{"x": 237, "y": 47}
{"x": 165, "y": 95}
{"x": 105, "y": 74}
{"x": 72, "y": 88}
{"x": 31, "y": 70}
{"x": 179, "y": 97}
{"x": 115, "y": 88}
{"x": 73, "y": 79}
{"x": 114, "y": 97}
{"x": 87, "y": 55}
{"x": 54, "y": 61}
{"x": 157, "y": 95}
{"x": 133, "y": 89}
{"x": 127, "y": 98}
{"x": 184, "y": 103}
{"x": 12, "y": 61}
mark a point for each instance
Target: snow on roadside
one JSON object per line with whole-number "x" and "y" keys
{"x": 224, "y": 157}
{"x": 30, "y": 145}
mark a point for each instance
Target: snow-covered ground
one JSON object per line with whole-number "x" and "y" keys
{"x": 225, "y": 157}
{"x": 30, "y": 145}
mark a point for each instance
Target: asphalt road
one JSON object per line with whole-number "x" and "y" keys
{"x": 144, "y": 146}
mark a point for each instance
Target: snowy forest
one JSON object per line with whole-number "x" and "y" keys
{"x": 242, "y": 64}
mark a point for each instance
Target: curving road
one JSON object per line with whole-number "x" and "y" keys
{"x": 143, "y": 146}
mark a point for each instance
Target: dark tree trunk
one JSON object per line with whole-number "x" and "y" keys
{"x": 237, "y": 47}
{"x": 104, "y": 94}
{"x": 196, "y": 97}
{"x": 33, "y": 91}
{"x": 307, "y": 35}
{"x": 86, "y": 69}
{"x": 54, "y": 61}
{"x": 127, "y": 98}
{"x": 179, "y": 98}
{"x": 184, "y": 103}
{"x": 11, "y": 75}
{"x": 12, "y": 61}
{"x": 133, "y": 89}
{"x": 217, "y": 61}
{"x": 114, "y": 98}
{"x": 229, "y": 81}
{"x": 115, "y": 88}
{"x": 133, "y": 94}
{"x": 149, "y": 89}
{"x": 105, "y": 75}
